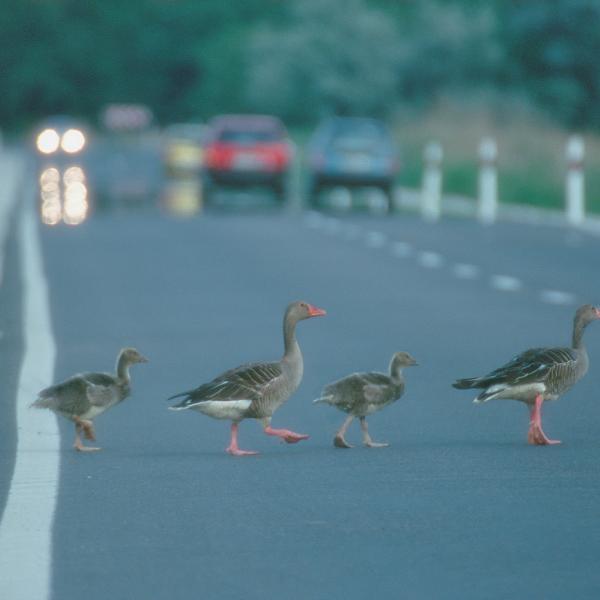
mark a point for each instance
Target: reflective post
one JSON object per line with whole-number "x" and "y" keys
{"x": 575, "y": 181}
{"x": 431, "y": 191}
{"x": 487, "y": 196}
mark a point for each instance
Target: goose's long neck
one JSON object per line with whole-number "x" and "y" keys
{"x": 290, "y": 343}
{"x": 396, "y": 374}
{"x": 578, "y": 329}
{"x": 123, "y": 368}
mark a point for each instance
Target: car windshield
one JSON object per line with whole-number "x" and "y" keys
{"x": 357, "y": 134}
{"x": 193, "y": 133}
{"x": 248, "y": 137}
{"x": 357, "y": 129}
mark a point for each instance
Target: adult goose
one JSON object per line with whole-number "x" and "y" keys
{"x": 362, "y": 394}
{"x": 255, "y": 390}
{"x": 83, "y": 397}
{"x": 537, "y": 375}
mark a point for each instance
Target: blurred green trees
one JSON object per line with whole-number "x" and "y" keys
{"x": 325, "y": 60}
{"x": 552, "y": 52}
{"x": 297, "y": 58}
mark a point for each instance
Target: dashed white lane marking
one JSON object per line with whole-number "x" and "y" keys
{"x": 465, "y": 271}
{"x": 26, "y": 526}
{"x": 505, "y": 283}
{"x": 402, "y": 249}
{"x": 375, "y": 239}
{"x": 314, "y": 220}
{"x": 351, "y": 231}
{"x": 557, "y": 297}
{"x": 332, "y": 226}
{"x": 430, "y": 260}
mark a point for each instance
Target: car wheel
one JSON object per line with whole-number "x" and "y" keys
{"x": 279, "y": 191}
{"x": 314, "y": 193}
{"x": 208, "y": 188}
{"x": 388, "y": 190}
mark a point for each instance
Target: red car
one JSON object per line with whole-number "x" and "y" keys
{"x": 247, "y": 150}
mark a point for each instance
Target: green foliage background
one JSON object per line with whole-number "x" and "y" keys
{"x": 299, "y": 58}
{"x": 522, "y": 70}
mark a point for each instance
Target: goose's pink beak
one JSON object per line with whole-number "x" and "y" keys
{"x": 313, "y": 311}
{"x": 597, "y": 311}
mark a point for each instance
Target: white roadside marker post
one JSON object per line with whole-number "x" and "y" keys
{"x": 487, "y": 198}
{"x": 431, "y": 191}
{"x": 575, "y": 181}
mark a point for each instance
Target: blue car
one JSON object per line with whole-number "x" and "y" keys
{"x": 352, "y": 152}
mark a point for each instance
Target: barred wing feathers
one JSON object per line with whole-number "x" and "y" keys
{"x": 247, "y": 382}
{"x": 557, "y": 368}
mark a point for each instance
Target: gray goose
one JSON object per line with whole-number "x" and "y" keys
{"x": 362, "y": 394}
{"x": 83, "y": 397}
{"x": 255, "y": 390}
{"x": 537, "y": 375}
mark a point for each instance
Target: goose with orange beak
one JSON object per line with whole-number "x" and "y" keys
{"x": 255, "y": 390}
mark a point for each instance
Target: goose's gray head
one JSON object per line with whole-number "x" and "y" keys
{"x": 586, "y": 314}
{"x": 401, "y": 360}
{"x": 131, "y": 356}
{"x": 297, "y": 311}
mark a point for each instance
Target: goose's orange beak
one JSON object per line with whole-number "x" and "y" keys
{"x": 313, "y": 311}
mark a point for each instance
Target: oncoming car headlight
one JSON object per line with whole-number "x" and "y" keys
{"x": 72, "y": 141}
{"x": 48, "y": 141}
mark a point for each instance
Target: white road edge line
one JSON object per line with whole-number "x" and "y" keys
{"x": 26, "y": 526}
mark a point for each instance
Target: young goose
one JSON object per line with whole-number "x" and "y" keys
{"x": 256, "y": 390}
{"x": 537, "y": 375}
{"x": 83, "y": 397}
{"x": 362, "y": 394}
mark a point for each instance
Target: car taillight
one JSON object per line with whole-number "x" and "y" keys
{"x": 281, "y": 155}
{"x": 215, "y": 157}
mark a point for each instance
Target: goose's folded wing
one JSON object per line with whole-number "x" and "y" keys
{"x": 242, "y": 383}
{"x": 531, "y": 366}
{"x": 375, "y": 394}
{"x": 379, "y": 389}
{"x": 68, "y": 397}
{"x": 99, "y": 395}
{"x": 103, "y": 379}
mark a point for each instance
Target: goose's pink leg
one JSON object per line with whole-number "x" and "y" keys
{"x": 88, "y": 430}
{"x": 285, "y": 434}
{"x": 78, "y": 445}
{"x": 233, "y": 444}
{"x": 367, "y": 441}
{"x": 536, "y": 435}
{"x": 339, "y": 441}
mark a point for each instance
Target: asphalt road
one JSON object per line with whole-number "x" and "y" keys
{"x": 459, "y": 506}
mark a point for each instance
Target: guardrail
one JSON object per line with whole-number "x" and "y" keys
{"x": 432, "y": 202}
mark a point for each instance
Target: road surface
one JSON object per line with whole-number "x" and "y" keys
{"x": 459, "y": 506}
